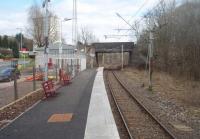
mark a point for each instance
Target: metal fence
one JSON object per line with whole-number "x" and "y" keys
{"x": 32, "y": 76}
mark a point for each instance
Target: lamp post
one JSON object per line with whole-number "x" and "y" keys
{"x": 46, "y": 34}
{"x": 60, "y": 48}
{"x": 64, "y": 20}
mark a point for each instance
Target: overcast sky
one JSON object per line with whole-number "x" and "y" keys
{"x": 98, "y": 15}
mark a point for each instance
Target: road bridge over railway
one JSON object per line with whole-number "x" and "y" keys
{"x": 113, "y": 52}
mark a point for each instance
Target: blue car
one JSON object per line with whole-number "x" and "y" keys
{"x": 7, "y": 74}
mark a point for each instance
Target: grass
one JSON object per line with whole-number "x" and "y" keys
{"x": 181, "y": 90}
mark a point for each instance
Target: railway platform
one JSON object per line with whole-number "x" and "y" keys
{"x": 100, "y": 121}
{"x": 79, "y": 111}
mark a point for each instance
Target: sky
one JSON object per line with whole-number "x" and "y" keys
{"x": 99, "y": 16}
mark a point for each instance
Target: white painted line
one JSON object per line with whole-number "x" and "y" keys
{"x": 100, "y": 120}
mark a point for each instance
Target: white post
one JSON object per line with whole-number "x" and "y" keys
{"x": 122, "y": 56}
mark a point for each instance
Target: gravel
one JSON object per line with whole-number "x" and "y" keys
{"x": 140, "y": 123}
{"x": 171, "y": 113}
{"x": 14, "y": 109}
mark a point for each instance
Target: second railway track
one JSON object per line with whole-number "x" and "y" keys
{"x": 139, "y": 122}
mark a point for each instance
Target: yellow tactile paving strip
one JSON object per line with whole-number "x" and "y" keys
{"x": 60, "y": 118}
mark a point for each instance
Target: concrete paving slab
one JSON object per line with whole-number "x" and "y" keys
{"x": 100, "y": 121}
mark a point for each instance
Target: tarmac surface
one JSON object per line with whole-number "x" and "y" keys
{"x": 73, "y": 99}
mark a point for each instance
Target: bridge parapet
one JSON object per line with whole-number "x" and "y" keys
{"x": 113, "y": 47}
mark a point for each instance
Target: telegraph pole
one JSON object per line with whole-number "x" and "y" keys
{"x": 122, "y": 56}
{"x": 46, "y": 33}
{"x": 150, "y": 51}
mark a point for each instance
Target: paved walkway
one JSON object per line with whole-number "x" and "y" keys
{"x": 100, "y": 121}
{"x": 7, "y": 92}
{"x": 44, "y": 120}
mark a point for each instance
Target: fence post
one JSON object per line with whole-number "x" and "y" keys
{"x": 34, "y": 83}
{"x": 15, "y": 87}
{"x": 56, "y": 72}
{"x": 60, "y": 75}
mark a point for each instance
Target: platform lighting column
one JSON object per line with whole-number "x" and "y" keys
{"x": 60, "y": 48}
{"x": 46, "y": 32}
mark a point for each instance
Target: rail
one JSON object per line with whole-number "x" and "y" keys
{"x": 140, "y": 104}
{"x": 118, "y": 108}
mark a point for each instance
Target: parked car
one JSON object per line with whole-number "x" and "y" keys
{"x": 7, "y": 74}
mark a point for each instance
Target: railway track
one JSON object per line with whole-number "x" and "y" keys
{"x": 138, "y": 120}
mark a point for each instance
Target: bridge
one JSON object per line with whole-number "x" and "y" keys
{"x": 113, "y": 47}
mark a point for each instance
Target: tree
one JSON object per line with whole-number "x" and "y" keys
{"x": 18, "y": 39}
{"x": 15, "y": 49}
{"x": 86, "y": 36}
{"x": 28, "y": 43}
{"x": 0, "y": 42}
{"x": 5, "y": 41}
{"x": 9, "y": 47}
{"x": 36, "y": 26}
{"x": 176, "y": 37}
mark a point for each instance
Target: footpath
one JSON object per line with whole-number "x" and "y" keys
{"x": 61, "y": 117}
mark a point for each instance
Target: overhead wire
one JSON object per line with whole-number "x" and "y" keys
{"x": 140, "y": 8}
{"x": 142, "y": 18}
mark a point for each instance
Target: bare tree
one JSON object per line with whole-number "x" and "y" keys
{"x": 36, "y": 26}
{"x": 176, "y": 37}
{"x": 86, "y": 36}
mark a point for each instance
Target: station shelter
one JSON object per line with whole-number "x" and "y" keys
{"x": 61, "y": 56}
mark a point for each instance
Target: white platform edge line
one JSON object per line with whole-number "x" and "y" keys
{"x": 99, "y": 75}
